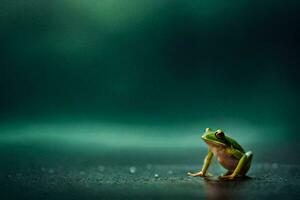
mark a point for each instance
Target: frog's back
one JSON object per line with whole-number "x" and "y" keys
{"x": 235, "y": 144}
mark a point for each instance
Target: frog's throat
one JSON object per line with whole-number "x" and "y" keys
{"x": 213, "y": 142}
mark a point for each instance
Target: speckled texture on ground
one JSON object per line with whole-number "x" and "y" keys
{"x": 147, "y": 182}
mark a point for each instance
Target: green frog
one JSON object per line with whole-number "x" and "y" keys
{"x": 228, "y": 153}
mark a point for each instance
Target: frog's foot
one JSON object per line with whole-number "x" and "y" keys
{"x": 227, "y": 173}
{"x": 231, "y": 177}
{"x": 227, "y": 177}
{"x": 196, "y": 174}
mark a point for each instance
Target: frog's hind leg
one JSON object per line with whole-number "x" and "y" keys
{"x": 227, "y": 173}
{"x": 246, "y": 168}
{"x": 242, "y": 167}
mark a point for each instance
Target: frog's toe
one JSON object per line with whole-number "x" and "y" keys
{"x": 195, "y": 174}
{"x": 227, "y": 177}
{"x": 209, "y": 174}
{"x": 227, "y": 173}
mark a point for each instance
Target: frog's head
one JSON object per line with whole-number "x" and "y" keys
{"x": 214, "y": 138}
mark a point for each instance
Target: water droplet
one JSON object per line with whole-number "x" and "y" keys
{"x": 156, "y": 175}
{"x": 82, "y": 172}
{"x": 101, "y": 168}
{"x": 170, "y": 172}
{"x": 9, "y": 175}
{"x": 274, "y": 165}
{"x": 132, "y": 170}
{"x": 51, "y": 171}
{"x": 43, "y": 169}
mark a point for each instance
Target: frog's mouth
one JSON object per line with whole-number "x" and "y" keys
{"x": 213, "y": 142}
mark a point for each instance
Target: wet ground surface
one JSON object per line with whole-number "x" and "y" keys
{"x": 58, "y": 165}
{"x": 148, "y": 181}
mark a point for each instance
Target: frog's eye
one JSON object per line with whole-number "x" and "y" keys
{"x": 219, "y": 134}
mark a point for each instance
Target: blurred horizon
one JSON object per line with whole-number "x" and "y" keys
{"x": 159, "y": 66}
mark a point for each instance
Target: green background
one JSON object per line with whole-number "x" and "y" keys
{"x": 122, "y": 82}
{"x": 157, "y": 65}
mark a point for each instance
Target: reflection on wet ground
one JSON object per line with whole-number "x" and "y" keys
{"x": 147, "y": 182}
{"x": 85, "y": 162}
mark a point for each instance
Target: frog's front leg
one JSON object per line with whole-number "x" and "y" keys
{"x": 242, "y": 167}
{"x": 205, "y": 166}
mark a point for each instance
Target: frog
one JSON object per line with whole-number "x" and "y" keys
{"x": 229, "y": 154}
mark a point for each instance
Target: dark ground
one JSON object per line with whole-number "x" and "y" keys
{"x": 267, "y": 181}
{"x": 26, "y": 173}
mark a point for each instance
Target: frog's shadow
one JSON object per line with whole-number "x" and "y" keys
{"x": 216, "y": 179}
